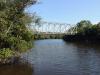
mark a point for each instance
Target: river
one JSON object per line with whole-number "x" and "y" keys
{"x": 56, "y": 57}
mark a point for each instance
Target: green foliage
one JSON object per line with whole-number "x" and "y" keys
{"x": 85, "y": 27}
{"x": 6, "y": 53}
{"x": 15, "y": 35}
{"x": 22, "y": 46}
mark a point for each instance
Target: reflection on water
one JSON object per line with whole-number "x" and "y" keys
{"x": 16, "y": 69}
{"x": 56, "y": 57}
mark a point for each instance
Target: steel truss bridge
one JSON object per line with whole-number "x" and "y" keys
{"x": 50, "y": 29}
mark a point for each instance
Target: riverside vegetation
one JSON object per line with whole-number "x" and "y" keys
{"x": 86, "y": 32}
{"x": 15, "y": 36}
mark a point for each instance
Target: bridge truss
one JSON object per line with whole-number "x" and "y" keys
{"x": 54, "y": 28}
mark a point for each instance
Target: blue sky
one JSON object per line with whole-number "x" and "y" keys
{"x": 67, "y": 11}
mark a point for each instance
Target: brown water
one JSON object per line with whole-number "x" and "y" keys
{"x": 56, "y": 57}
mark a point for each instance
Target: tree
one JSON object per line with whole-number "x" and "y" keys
{"x": 83, "y": 26}
{"x": 14, "y": 33}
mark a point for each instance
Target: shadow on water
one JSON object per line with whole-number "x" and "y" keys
{"x": 16, "y": 69}
{"x": 85, "y": 45}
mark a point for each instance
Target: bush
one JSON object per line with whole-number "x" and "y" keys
{"x": 6, "y": 53}
{"x": 22, "y": 46}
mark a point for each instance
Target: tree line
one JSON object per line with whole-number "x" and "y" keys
{"x": 84, "y": 31}
{"x": 85, "y": 27}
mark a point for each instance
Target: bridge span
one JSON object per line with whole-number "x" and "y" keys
{"x": 52, "y": 29}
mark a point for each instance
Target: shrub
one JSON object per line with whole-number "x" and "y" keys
{"x": 22, "y": 46}
{"x": 6, "y": 53}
